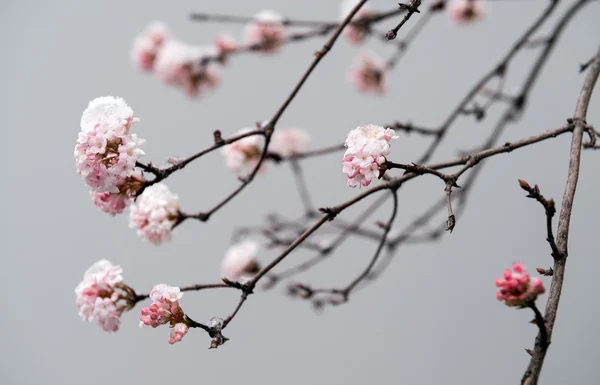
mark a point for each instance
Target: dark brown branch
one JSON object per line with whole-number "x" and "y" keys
{"x": 387, "y": 227}
{"x": 203, "y": 16}
{"x": 317, "y": 152}
{"x": 409, "y": 127}
{"x": 268, "y": 129}
{"x": 497, "y": 71}
{"x": 584, "y": 66}
{"x": 319, "y": 55}
{"x": 302, "y": 188}
{"x": 347, "y": 230}
{"x": 549, "y": 208}
{"x": 377, "y": 17}
{"x": 534, "y": 369}
{"x": 402, "y": 45}
{"x": 411, "y": 8}
{"x": 541, "y": 324}
{"x": 163, "y": 173}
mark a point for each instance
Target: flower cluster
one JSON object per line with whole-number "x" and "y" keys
{"x": 106, "y": 153}
{"x": 355, "y": 33}
{"x": 367, "y": 148}
{"x": 146, "y": 45}
{"x": 240, "y": 259}
{"x": 517, "y": 288}
{"x": 165, "y": 309}
{"x": 243, "y": 154}
{"x": 177, "y": 63}
{"x": 155, "y": 213}
{"x": 466, "y": 11}
{"x": 103, "y": 296}
{"x": 369, "y": 73}
{"x": 266, "y": 33}
{"x": 289, "y": 141}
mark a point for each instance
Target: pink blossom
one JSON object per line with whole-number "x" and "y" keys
{"x": 240, "y": 259}
{"x": 116, "y": 203}
{"x": 266, "y": 32}
{"x": 165, "y": 309}
{"x": 367, "y": 148}
{"x": 243, "y": 154}
{"x": 106, "y": 152}
{"x": 155, "y": 213}
{"x": 103, "y": 296}
{"x": 146, "y": 45}
{"x": 355, "y": 34}
{"x": 158, "y": 32}
{"x": 177, "y": 333}
{"x": 225, "y": 44}
{"x": 181, "y": 65}
{"x": 369, "y": 73}
{"x": 289, "y": 141}
{"x": 517, "y": 288}
{"x": 466, "y": 11}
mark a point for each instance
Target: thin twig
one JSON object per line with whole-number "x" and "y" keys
{"x": 549, "y": 208}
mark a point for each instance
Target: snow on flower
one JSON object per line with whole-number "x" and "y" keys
{"x": 165, "y": 309}
{"x": 266, "y": 31}
{"x": 106, "y": 152}
{"x": 146, "y": 45}
{"x": 240, "y": 259}
{"x": 154, "y": 213}
{"x": 517, "y": 288}
{"x": 289, "y": 141}
{"x": 243, "y": 154}
{"x": 369, "y": 73}
{"x": 367, "y": 148}
{"x": 355, "y": 33}
{"x": 181, "y": 65}
{"x": 466, "y": 11}
{"x": 102, "y": 295}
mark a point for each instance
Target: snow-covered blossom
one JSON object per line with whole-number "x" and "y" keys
{"x": 466, "y": 11}
{"x": 103, "y": 296}
{"x": 355, "y": 33}
{"x": 181, "y": 65}
{"x": 517, "y": 288}
{"x": 155, "y": 213}
{"x": 146, "y": 45}
{"x": 243, "y": 154}
{"x": 165, "y": 308}
{"x": 266, "y": 31}
{"x": 369, "y": 73}
{"x": 225, "y": 44}
{"x": 106, "y": 152}
{"x": 177, "y": 333}
{"x": 240, "y": 259}
{"x": 367, "y": 148}
{"x": 289, "y": 141}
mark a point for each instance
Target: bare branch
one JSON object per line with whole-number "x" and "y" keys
{"x": 534, "y": 369}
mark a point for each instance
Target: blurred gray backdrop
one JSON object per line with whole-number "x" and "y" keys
{"x": 432, "y": 318}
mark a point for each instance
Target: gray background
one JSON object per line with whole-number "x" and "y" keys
{"x": 432, "y": 318}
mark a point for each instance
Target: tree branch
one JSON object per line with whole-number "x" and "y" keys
{"x": 534, "y": 369}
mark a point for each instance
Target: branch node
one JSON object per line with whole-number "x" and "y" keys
{"x": 331, "y": 212}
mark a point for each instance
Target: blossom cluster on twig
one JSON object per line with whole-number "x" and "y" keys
{"x": 109, "y": 158}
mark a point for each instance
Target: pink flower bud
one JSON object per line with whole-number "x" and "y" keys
{"x": 266, "y": 32}
{"x": 518, "y": 288}
{"x": 466, "y": 11}
{"x": 368, "y": 74}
